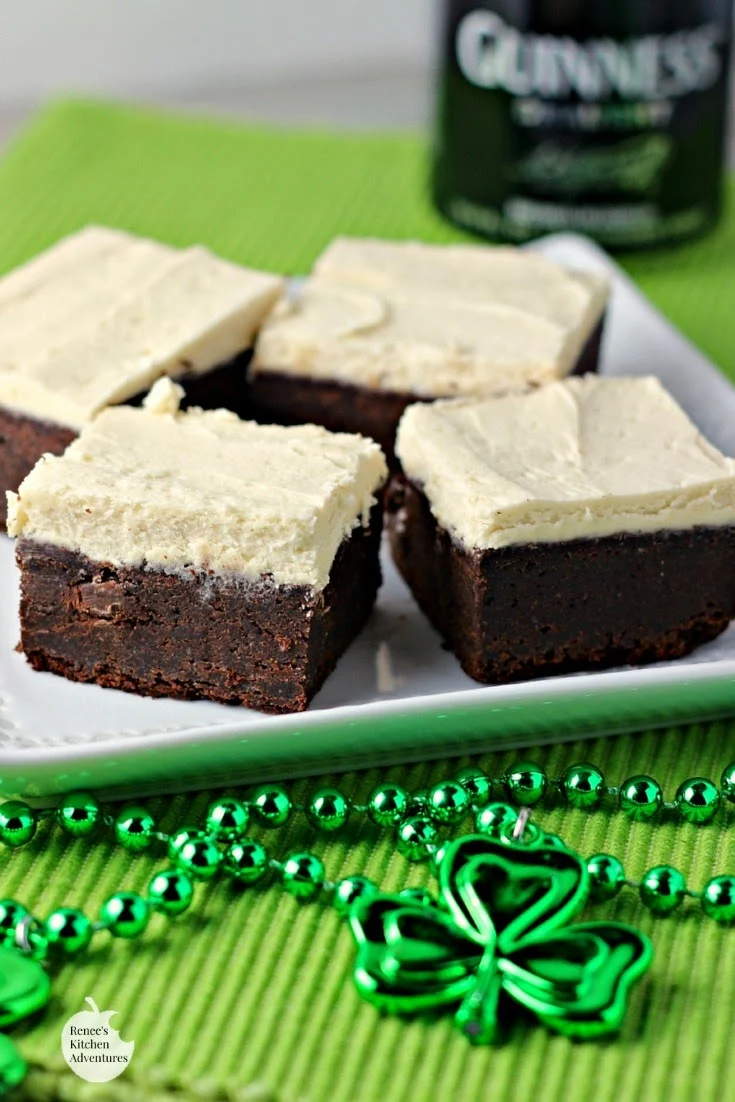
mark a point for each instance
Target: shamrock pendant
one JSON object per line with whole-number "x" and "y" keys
{"x": 24, "y": 988}
{"x": 499, "y": 934}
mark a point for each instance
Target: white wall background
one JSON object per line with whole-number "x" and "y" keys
{"x": 153, "y": 47}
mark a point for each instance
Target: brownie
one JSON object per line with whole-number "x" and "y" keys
{"x": 221, "y": 388}
{"x": 584, "y": 525}
{"x": 535, "y": 610}
{"x": 195, "y": 555}
{"x": 22, "y": 440}
{"x": 379, "y": 325}
{"x": 274, "y": 397}
{"x": 94, "y": 320}
{"x": 145, "y": 631}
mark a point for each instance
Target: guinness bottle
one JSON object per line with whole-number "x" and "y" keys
{"x": 606, "y": 117}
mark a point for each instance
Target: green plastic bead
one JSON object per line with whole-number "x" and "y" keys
{"x": 134, "y": 828}
{"x": 272, "y": 805}
{"x": 727, "y": 783}
{"x": 79, "y": 814}
{"x": 10, "y": 915}
{"x": 302, "y": 875}
{"x": 227, "y": 818}
{"x": 447, "y": 803}
{"x": 555, "y": 841}
{"x": 245, "y": 861}
{"x": 199, "y": 857}
{"x": 125, "y": 914}
{"x": 327, "y": 810}
{"x": 388, "y": 804}
{"x": 415, "y": 836}
{"x": 417, "y": 802}
{"x": 181, "y": 837}
{"x": 607, "y": 876}
{"x": 13, "y": 1068}
{"x": 170, "y": 892}
{"x": 698, "y": 800}
{"x": 582, "y": 785}
{"x": 476, "y": 784}
{"x": 18, "y": 823}
{"x": 663, "y": 889}
{"x": 718, "y": 899}
{"x": 68, "y": 929}
{"x": 640, "y": 798}
{"x": 525, "y": 783}
{"x": 349, "y": 890}
{"x": 496, "y": 819}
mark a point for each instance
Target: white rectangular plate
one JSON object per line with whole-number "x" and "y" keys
{"x": 396, "y": 695}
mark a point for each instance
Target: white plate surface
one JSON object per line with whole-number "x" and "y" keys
{"x": 396, "y": 694}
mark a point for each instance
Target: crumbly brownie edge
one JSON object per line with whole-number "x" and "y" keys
{"x": 289, "y": 399}
{"x": 199, "y": 636}
{"x": 541, "y": 609}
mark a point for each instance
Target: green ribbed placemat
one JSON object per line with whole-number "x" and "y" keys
{"x": 249, "y": 997}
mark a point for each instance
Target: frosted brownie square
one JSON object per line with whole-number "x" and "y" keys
{"x": 97, "y": 318}
{"x": 584, "y": 525}
{"x": 381, "y": 324}
{"x": 191, "y": 554}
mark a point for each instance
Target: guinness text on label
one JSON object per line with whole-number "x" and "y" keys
{"x": 491, "y": 54}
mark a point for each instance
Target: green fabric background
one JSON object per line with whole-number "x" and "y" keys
{"x": 249, "y": 997}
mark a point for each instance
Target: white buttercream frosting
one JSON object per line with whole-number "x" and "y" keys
{"x": 433, "y": 320}
{"x": 580, "y": 458}
{"x": 203, "y": 491}
{"x": 102, "y": 314}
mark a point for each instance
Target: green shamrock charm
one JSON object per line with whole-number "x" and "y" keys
{"x": 24, "y": 988}
{"x": 499, "y": 934}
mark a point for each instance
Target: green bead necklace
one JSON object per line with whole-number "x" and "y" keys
{"x": 498, "y": 934}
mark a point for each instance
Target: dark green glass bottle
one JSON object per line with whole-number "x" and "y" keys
{"x": 605, "y": 117}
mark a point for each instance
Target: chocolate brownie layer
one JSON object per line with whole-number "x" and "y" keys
{"x": 24, "y": 439}
{"x": 223, "y": 387}
{"x": 549, "y": 608}
{"x": 200, "y": 636}
{"x": 289, "y": 399}
{"x": 341, "y": 407}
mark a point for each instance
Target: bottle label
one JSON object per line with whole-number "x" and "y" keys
{"x": 542, "y": 130}
{"x": 492, "y": 54}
